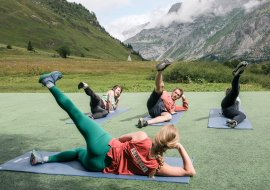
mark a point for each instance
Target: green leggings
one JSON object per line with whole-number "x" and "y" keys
{"x": 94, "y": 157}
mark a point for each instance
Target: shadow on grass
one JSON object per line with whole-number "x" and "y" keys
{"x": 68, "y": 118}
{"x": 136, "y": 117}
{"x": 202, "y": 118}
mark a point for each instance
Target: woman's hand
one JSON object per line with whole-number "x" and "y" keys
{"x": 111, "y": 111}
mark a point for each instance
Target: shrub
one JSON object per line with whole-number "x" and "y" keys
{"x": 210, "y": 72}
{"x": 63, "y": 51}
{"x": 231, "y": 64}
{"x": 9, "y": 47}
{"x": 82, "y": 55}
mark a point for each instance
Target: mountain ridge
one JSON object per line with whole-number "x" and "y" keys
{"x": 49, "y": 24}
{"x": 210, "y": 37}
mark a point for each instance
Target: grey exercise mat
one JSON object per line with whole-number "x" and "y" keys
{"x": 75, "y": 168}
{"x": 174, "y": 119}
{"x": 109, "y": 116}
{"x": 218, "y": 120}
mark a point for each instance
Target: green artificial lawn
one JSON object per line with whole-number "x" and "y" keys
{"x": 223, "y": 158}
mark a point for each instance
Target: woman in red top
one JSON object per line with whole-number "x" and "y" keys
{"x": 132, "y": 154}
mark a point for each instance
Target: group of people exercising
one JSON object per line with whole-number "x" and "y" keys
{"x": 133, "y": 153}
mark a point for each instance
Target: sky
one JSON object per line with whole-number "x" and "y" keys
{"x": 117, "y": 16}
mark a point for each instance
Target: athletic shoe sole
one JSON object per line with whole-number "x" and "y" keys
{"x": 240, "y": 68}
{"x": 140, "y": 123}
{"x": 33, "y": 159}
{"x": 45, "y": 76}
{"x": 231, "y": 123}
{"x": 80, "y": 86}
{"x": 165, "y": 63}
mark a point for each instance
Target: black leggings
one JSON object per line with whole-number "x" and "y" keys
{"x": 96, "y": 104}
{"x": 228, "y": 106}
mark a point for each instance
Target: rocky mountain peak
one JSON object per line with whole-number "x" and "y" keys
{"x": 174, "y": 8}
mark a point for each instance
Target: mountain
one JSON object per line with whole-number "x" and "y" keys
{"x": 136, "y": 29}
{"x": 49, "y": 24}
{"x": 234, "y": 34}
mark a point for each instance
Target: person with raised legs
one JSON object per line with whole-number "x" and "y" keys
{"x": 101, "y": 107}
{"x": 230, "y": 105}
{"x": 131, "y": 154}
{"x": 161, "y": 105}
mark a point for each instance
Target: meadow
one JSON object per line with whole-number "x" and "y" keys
{"x": 20, "y": 70}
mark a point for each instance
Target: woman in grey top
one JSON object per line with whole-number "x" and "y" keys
{"x": 100, "y": 107}
{"x": 230, "y": 105}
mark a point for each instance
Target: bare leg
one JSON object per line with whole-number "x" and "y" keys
{"x": 165, "y": 116}
{"x": 159, "y": 83}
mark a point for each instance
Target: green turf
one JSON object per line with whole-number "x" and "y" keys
{"x": 223, "y": 159}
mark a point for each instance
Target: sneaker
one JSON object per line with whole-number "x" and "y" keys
{"x": 36, "y": 158}
{"x": 82, "y": 85}
{"x": 240, "y": 68}
{"x": 231, "y": 123}
{"x": 165, "y": 63}
{"x": 142, "y": 123}
{"x": 52, "y": 77}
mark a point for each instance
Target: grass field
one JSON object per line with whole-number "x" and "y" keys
{"x": 223, "y": 159}
{"x": 31, "y": 119}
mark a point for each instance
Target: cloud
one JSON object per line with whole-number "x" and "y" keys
{"x": 253, "y": 4}
{"x": 191, "y": 9}
{"x": 95, "y": 6}
{"x": 117, "y": 27}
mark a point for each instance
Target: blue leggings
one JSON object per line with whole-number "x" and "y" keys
{"x": 94, "y": 156}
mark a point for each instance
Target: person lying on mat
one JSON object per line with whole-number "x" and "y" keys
{"x": 132, "y": 154}
{"x": 161, "y": 105}
{"x": 230, "y": 105}
{"x": 100, "y": 107}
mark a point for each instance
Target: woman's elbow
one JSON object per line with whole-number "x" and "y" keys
{"x": 192, "y": 172}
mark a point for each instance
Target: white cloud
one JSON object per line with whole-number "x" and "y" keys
{"x": 190, "y": 9}
{"x": 95, "y": 6}
{"x": 253, "y": 4}
{"x": 117, "y": 27}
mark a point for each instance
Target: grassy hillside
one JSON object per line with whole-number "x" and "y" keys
{"x": 21, "y": 69}
{"x": 49, "y": 24}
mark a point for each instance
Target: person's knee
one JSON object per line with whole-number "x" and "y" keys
{"x": 105, "y": 113}
{"x": 158, "y": 90}
{"x": 168, "y": 116}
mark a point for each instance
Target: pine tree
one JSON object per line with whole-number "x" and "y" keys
{"x": 30, "y": 47}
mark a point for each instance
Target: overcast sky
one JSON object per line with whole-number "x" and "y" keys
{"x": 116, "y": 16}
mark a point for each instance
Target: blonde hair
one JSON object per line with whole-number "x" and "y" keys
{"x": 167, "y": 137}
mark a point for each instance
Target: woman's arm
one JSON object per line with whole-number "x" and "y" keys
{"x": 116, "y": 103}
{"x": 137, "y": 136}
{"x": 110, "y": 95}
{"x": 187, "y": 170}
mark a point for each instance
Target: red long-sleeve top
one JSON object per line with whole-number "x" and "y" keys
{"x": 170, "y": 105}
